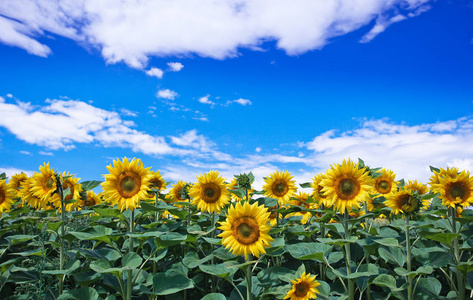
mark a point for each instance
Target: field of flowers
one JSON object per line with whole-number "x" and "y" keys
{"x": 354, "y": 232}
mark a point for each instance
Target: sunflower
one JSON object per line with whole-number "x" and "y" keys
{"x": 72, "y": 183}
{"x": 449, "y": 172}
{"x": 91, "y": 199}
{"x": 127, "y": 183}
{"x": 280, "y": 186}
{"x": 403, "y": 201}
{"x": 455, "y": 190}
{"x": 6, "y": 196}
{"x": 43, "y": 184}
{"x": 384, "y": 183}
{"x": 319, "y": 197}
{"x": 15, "y": 183}
{"x": 174, "y": 194}
{"x": 233, "y": 186}
{"x": 273, "y": 216}
{"x": 301, "y": 200}
{"x": 346, "y": 186}
{"x": 303, "y": 288}
{"x": 210, "y": 193}
{"x": 156, "y": 182}
{"x": 27, "y": 196}
{"x": 245, "y": 231}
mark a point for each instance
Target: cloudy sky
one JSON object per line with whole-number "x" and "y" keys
{"x": 236, "y": 86}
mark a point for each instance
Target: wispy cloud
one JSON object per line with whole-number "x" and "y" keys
{"x": 12, "y": 171}
{"x": 133, "y": 31}
{"x": 155, "y": 72}
{"x": 167, "y": 94}
{"x": 240, "y": 101}
{"x": 206, "y": 100}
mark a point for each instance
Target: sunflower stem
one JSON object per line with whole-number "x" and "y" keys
{"x": 156, "y": 205}
{"x": 456, "y": 254}
{"x": 248, "y": 278}
{"x": 408, "y": 260}
{"x": 322, "y": 234}
{"x": 277, "y": 214}
{"x": 368, "y": 288}
{"x": 61, "y": 240}
{"x": 351, "y": 283}
{"x": 129, "y": 282}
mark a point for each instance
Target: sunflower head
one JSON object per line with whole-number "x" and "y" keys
{"x": 156, "y": 182}
{"x": 176, "y": 194}
{"x": 15, "y": 183}
{"x": 440, "y": 173}
{"x": 43, "y": 184}
{"x": 280, "y": 186}
{"x": 91, "y": 199}
{"x": 27, "y": 195}
{"x": 301, "y": 200}
{"x": 384, "y": 183}
{"x": 318, "y": 196}
{"x": 404, "y": 201}
{"x": 210, "y": 193}
{"x": 303, "y": 288}
{"x": 245, "y": 230}
{"x": 457, "y": 190}
{"x": 6, "y": 196}
{"x": 127, "y": 183}
{"x": 346, "y": 186}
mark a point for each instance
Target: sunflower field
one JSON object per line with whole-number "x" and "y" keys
{"x": 354, "y": 232}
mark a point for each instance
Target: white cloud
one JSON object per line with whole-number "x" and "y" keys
{"x": 12, "y": 171}
{"x": 155, "y": 72}
{"x": 206, "y": 100}
{"x": 130, "y": 31}
{"x": 2, "y": 99}
{"x": 258, "y": 149}
{"x": 128, "y": 113}
{"x": 175, "y": 66}
{"x": 25, "y": 152}
{"x": 407, "y": 150}
{"x": 380, "y": 26}
{"x": 46, "y": 153}
{"x": 167, "y": 94}
{"x": 9, "y": 96}
{"x": 240, "y": 101}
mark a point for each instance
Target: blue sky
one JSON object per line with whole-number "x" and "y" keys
{"x": 236, "y": 86}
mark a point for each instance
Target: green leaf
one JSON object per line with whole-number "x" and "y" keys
{"x": 305, "y": 185}
{"x": 434, "y": 169}
{"x": 432, "y": 285}
{"x": 214, "y": 296}
{"x": 19, "y": 238}
{"x": 388, "y": 281}
{"x": 424, "y": 270}
{"x": 99, "y": 233}
{"x": 388, "y": 242}
{"x": 169, "y": 239}
{"x": 465, "y": 267}
{"x": 89, "y": 185}
{"x": 437, "y": 259}
{"x": 87, "y": 278}
{"x": 444, "y": 238}
{"x": 70, "y": 267}
{"x": 192, "y": 259}
{"x": 109, "y": 212}
{"x": 304, "y": 251}
{"x": 268, "y": 277}
{"x": 392, "y": 255}
{"x": 364, "y": 270}
{"x": 224, "y": 270}
{"x": 86, "y": 293}
{"x": 131, "y": 260}
{"x": 169, "y": 285}
{"x": 104, "y": 253}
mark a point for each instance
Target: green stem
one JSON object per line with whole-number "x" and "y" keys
{"x": 61, "y": 240}
{"x": 277, "y": 214}
{"x": 129, "y": 282}
{"x": 456, "y": 253}
{"x": 351, "y": 283}
{"x": 322, "y": 234}
{"x": 156, "y": 205}
{"x": 410, "y": 292}
{"x": 248, "y": 279}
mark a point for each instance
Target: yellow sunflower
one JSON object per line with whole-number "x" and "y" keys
{"x": 273, "y": 216}
{"x": 245, "y": 231}
{"x": 75, "y": 188}
{"x": 280, "y": 186}
{"x": 449, "y": 172}
{"x": 127, "y": 183}
{"x": 301, "y": 200}
{"x": 91, "y": 199}
{"x": 303, "y": 288}
{"x": 403, "y": 201}
{"x": 385, "y": 183}
{"x": 457, "y": 190}
{"x": 6, "y": 197}
{"x": 346, "y": 186}
{"x": 233, "y": 186}
{"x": 27, "y": 196}
{"x": 156, "y": 182}
{"x": 43, "y": 184}
{"x": 317, "y": 194}
{"x": 15, "y": 183}
{"x": 210, "y": 192}
{"x": 174, "y": 194}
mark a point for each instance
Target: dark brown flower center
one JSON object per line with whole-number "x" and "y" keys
{"x": 409, "y": 204}
{"x": 280, "y": 188}
{"x": 49, "y": 184}
{"x": 457, "y": 190}
{"x": 302, "y": 288}
{"x": 246, "y": 230}
{"x": 348, "y": 188}
{"x": 384, "y": 186}
{"x": 129, "y": 184}
{"x": 210, "y": 192}
{"x": 3, "y": 195}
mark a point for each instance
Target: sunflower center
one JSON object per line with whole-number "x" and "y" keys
{"x": 348, "y": 188}
{"x": 301, "y": 289}
{"x": 383, "y": 186}
{"x": 457, "y": 190}
{"x": 49, "y": 184}
{"x": 280, "y": 188}
{"x": 156, "y": 183}
{"x": 210, "y": 192}
{"x": 2, "y": 196}
{"x": 129, "y": 184}
{"x": 409, "y": 204}
{"x": 246, "y": 230}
